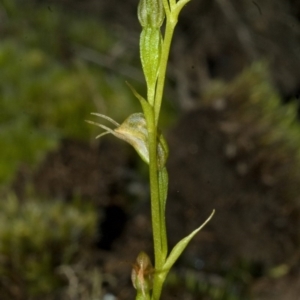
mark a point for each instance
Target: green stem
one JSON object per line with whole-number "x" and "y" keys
{"x": 141, "y": 296}
{"x": 159, "y": 181}
{"x": 158, "y": 221}
{"x": 159, "y": 277}
{"x": 157, "y": 287}
{"x": 150, "y": 94}
{"x": 170, "y": 25}
{"x": 156, "y": 209}
{"x": 154, "y": 187}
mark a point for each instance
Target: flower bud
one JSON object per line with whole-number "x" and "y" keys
{"x": 142, "y": 274}
{"x": 151, "y": 13}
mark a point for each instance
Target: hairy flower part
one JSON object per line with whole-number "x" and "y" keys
{"x": 134, "y": 131}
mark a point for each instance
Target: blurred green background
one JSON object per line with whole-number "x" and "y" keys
{"x": 48, "y": 88}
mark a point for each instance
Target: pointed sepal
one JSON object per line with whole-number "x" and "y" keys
{"x": 181, "y": 245}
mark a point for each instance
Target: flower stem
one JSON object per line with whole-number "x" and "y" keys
{"x": 170, "y": 25}
{"x": 154, "y": 187}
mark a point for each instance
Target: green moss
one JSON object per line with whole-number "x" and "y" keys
{"x": 46, "y": 89}
{"x": 36, "y": 238}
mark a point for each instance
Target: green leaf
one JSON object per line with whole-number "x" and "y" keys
{"x": 181, "y": 245}
{"x": 162, "y": 151}
{"x": 163, "y": 181}
{"x": 147, "y": 108}
{"x": 178, "y": 7}
{"x": 150, "y": 52}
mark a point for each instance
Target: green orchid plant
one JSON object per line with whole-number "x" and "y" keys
{"x": 141, "y": 131}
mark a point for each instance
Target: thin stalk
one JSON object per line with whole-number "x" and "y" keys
{"x": 154, "y": 187}
{"x": 157, "y": 219}
{"x": 150, "y": 94}
{"x": 156, "y": 210}
{"x": 170, "y": 25}
{"x": 158, "y": 282}
{"x": 157, "y": 287}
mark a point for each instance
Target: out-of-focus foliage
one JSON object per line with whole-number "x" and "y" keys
{"x": 47, "y": 89}
{"x": 263, "y": 142}
{"x": 247, "y": 163}
{"x": 214, "y": 286}
{"x": 40, "y": 103}
{"x": 38, "y": 241}
{"x": 264, "y": 135}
